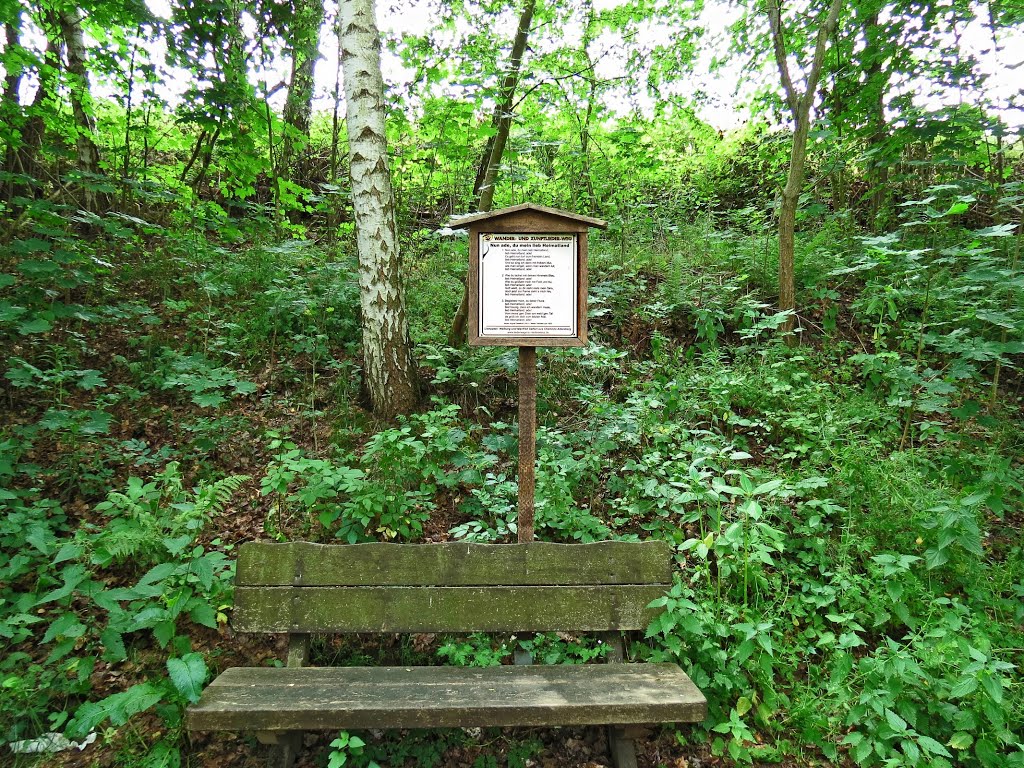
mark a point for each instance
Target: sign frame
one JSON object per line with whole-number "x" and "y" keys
{"x": 528, "y": 219}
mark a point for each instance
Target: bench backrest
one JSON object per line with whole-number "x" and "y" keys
{"x": 453, "y": 587}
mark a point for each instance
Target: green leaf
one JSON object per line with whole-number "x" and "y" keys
{"x": 98, "y": 423}
{"x": 209, "y": 399}
{"x": 961, "y": 740}
{"x": 895, "y": 722}
{"x": 157, "y": 573}
{"x": 30, "y": 245}
{"x": 862, "y": 751}
{"x": 934, "y": 558}
{"x": 188, "y": 675}
{"x": 894, "y": 589}
{"x": 118, "y": 708}
{"x": 204, "y": 614}
{"x": 37, "y": 268}
{"x": 993, "y": 687}
{"x": 768, "y": 487}
{"x": 964, "y": 687}
{"x": 65, "y": 627}
{"x": 999, "y": 230}
{"x": 91, "y": 379}
{"x": 986, "y": 753}
{"x": 911, "y": 751}
{"x": 38, "y": 325}
{"x": 743, "y": 705}
{"x": 72, "y": 576}
{"x": 69, "y": 551}
{"x": 932, "y": 747}
{"x": 10, "y": 312}
{"x": 113, "y": 645}
{"x": 164, "y": 632}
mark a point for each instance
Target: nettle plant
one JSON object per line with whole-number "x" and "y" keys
{"x": 385, "y": 490}
{"x": 934, "y": 698}
{"x": 208, "y": 384}
{"x": 155, "y": 525}
{"x": 945, "y": 305}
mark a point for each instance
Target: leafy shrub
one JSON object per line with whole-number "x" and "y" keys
{"x": 149, "y": 521}
{"x": 386, "y": 490}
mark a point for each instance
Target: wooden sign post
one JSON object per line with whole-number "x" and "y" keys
{"x": 527, "y": 288}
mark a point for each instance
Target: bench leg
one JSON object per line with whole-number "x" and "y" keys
{"x": 622, "y": 748}
{"x": 284, "y": 747}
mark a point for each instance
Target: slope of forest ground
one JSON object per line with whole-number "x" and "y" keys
{"x": 850, "y": 580}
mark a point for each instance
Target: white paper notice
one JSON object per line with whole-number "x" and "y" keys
{"x": 528, "y": 285}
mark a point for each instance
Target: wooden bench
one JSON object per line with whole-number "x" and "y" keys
{"x": 304, "y": 589}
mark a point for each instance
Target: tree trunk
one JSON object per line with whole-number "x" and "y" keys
{"x": 298, "y": 108}
{"x": 22, "y": 156}
{"x": 12, "y": 80}
{"x": 388, "y": 368}
{"x": 11, "y": 116}
{"x": 787, "y": 221}
{"x": 503, "y": 112}
{"x": 487, "y": 176}
{"x": 875, "y": 83}
{"x": 81, "y": 99}
{"x": 336, "y": 204}
{"x": 591, "y": 76}
{"x": 800, "y": 108}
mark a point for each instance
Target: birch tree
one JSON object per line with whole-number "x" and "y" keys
{"x": 388, "y": 368}
{"x": 800, "y": 103}
{"x": 70, "y": 21}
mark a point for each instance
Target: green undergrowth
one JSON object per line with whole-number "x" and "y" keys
{"x": 845, "y": 513}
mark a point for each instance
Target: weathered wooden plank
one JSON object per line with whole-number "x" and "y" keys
{"x": 453, "y": 564}
{"x": 424, "y": 697}
{"x": 443, "y": 609}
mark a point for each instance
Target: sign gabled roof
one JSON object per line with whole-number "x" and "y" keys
{"x": 462, "y": 222}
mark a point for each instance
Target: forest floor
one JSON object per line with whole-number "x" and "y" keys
{"x": 847, "y": 523}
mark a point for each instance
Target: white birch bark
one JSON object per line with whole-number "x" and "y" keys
{"x": 388, "y": 368}
{"x": 81, "y": 100}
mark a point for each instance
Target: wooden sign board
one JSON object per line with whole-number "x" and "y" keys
{"x": 527, "y": 277}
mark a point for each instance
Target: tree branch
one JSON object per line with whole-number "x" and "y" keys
{"x": 779, "y": 47}
{"x": 824, "y": 33}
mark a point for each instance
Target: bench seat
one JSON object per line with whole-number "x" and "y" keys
{"x": 334, "y": 698}
{"x": 305, "y": 589}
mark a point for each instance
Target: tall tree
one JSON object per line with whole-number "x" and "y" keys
{"x": 879, "y": 45}
{"x": 70, "y": 22}
{"x": 388, "y": 368}
{"x": 209, "y": 40}
{"x": 800, "y": 105}
{"x": 12, "y": 117}
{"x": 501, "y": 124}
{"x": 304, "y": 46}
